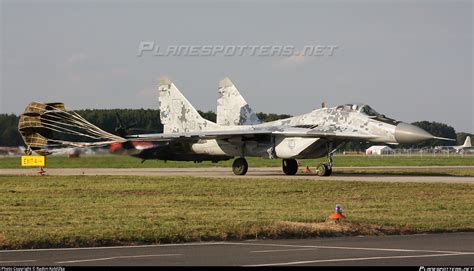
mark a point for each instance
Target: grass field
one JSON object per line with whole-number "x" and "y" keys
{"x": 407, "y": 172}
{"x": 58, "y": 211}
{"x": 115, "y": 161}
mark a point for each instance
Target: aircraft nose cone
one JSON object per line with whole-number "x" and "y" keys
{"x": 407, "y": 133}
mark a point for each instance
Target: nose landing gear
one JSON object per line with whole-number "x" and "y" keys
{"x": 325, "y": 169}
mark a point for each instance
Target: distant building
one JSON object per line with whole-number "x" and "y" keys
{"x": 379, "y": 150}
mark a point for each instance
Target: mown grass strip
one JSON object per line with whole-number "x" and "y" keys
{"x": 408, "y": 171}
{"x": 60, "y": 211}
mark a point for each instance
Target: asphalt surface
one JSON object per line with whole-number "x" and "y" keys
{"x": 449, "y": 249}
{"x": 269, "y": 172}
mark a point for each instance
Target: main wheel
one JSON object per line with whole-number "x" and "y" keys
{"x": 328, "y": 171}
{"x": 290, "y": 166}
{"x": 324, "y": 170}
{"x": 240, "y": 166}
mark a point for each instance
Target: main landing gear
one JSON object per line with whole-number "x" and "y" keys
{"x": 240, "y": 166}
{"x": 290, "y": 166}
{"x": 325, "y": 169}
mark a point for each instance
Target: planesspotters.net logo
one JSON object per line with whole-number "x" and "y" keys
{"x": 151, "y": 48}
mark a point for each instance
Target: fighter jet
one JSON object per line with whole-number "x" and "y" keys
{"x": 238, "y": 132}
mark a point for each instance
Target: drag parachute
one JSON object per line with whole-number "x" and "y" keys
{"x": 46, "y": 128}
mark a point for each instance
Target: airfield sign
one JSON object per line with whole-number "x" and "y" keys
{"x": 33, "y": 161}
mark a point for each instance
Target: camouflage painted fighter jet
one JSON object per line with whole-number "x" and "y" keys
{"x": 239, "y": 133}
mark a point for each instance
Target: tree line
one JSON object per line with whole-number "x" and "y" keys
{"x": 139, "y": 121}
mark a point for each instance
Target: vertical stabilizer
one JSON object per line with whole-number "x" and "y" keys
{"x": 467, "y": 142}
{"x": 176, "y": 113}
{"x": 232, "y": 109}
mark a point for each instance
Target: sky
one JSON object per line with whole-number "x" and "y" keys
{"x": 410, "y": 60}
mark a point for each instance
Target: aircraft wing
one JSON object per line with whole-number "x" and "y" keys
{"x": 341, "y": 133}
{"x": 338, "y": 133}
{"x": 197, "y": 135}
{"x": 330, "y": 133}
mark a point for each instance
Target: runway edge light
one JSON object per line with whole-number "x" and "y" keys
{"x": 338, "y": 214}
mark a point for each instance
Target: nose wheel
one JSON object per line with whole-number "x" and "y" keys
{"x": 240, "y": 166}
{"x": 325, "y": 169}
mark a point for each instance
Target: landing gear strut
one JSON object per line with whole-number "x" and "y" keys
{"x": 240, "y": 166}
{"x": 325, "y": 169}
{"x": 290, "y": 166}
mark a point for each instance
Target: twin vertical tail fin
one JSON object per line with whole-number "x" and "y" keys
{"x": 232, "y": 109}
{"x": 179, "y": 116}
{"x": 176, "y": 112}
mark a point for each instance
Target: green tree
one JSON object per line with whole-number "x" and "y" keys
{"x": 9, "y": 135}
{"x": 209, "y": 115}
{"x": 271, "y": 116}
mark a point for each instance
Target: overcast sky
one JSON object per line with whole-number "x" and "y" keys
{"x": 411, "y": 60}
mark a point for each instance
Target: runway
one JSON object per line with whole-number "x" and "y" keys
{"x": 451, "y": 249}
{"x": 263, "y": 172}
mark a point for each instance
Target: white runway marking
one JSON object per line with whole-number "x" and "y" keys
{"x": 359, "y": 248}
{"x": 282, "y": 250}
{"x": 120, "y": 257}
{"x": 241, "y": 244}
{"x": 362, "y": 259}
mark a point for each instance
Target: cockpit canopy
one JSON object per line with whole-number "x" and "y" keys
{"x": 366, "y": 110}
{"x": 362, "y": 108}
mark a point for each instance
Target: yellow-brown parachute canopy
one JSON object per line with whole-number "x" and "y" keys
{"x": 45, "y": 128}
